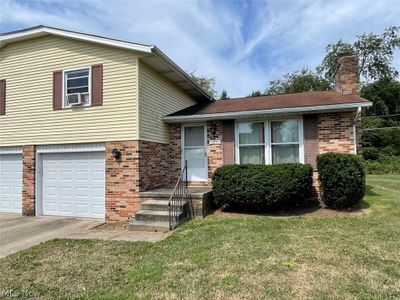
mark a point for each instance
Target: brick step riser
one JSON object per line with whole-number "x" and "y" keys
{"x": 156, "y": 207}
{"x": 155, "y": 218}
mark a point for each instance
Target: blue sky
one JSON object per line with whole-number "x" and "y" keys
{"x": 243, "y": 44}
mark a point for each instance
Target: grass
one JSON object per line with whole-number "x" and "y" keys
{"x": 230, "y": 256}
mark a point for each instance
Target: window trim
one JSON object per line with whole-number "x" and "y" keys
{"x": 64, "y": 87}
{"x": 267, "y": 138}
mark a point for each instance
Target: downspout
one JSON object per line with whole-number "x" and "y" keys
{"x": 358, "y": 113}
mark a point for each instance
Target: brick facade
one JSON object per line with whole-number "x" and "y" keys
{"x": 145, "y": 165}
{"x": 346, "y": 76}
{"x": 335, "y": 132}
{"x": 175, "y": 146}
{"x": 28, "y": 180}
{"x": 214, "y": 152}
{"x": 122, "y": 181}
{"x": 154, "y": 165}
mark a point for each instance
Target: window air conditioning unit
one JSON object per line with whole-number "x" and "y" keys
{"x": 75, "y": 99}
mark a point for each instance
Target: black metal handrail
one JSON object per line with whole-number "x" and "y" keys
{"x": 177, "y": 199}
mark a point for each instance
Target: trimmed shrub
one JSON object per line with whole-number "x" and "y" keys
{"x": 258, "y": 187}
{"x": 342, "y": 179}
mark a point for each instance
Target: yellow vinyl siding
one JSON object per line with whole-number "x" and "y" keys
{"x": 30, "y": 119}
{"x": 157, "y": 97}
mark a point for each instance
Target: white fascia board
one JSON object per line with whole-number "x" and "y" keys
{"x": 254, "y": 113}
{"x": 74, "y": 35}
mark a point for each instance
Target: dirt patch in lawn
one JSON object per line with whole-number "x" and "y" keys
{"x": 318, "y": 211}
{"x": 121, "y": 226}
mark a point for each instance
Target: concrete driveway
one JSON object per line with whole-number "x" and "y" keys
{"x": 18, "y": 232}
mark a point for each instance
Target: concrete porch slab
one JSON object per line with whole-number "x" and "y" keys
{"x": 194, "y": 191}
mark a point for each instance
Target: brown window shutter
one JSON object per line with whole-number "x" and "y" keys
{"x": 97, "y": 85}
{"x": 57, "y": 90}
{"x": 311, "y": 146}
{"x": 2, "y": 97}
{"x": 228, "y": 138}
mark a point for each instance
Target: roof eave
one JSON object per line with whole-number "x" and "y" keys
{"x": 266, "y": 112}
{"x": 158, "y": 53}
{"x": 44, "y": 30}
{"x": 195, "y": 90}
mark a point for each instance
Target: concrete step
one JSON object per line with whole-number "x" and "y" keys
{"x": 136, "y": 225}
{"x": 156, "y": 205}
{"x": 154, "y": 215}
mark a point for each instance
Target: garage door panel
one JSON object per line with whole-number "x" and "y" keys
{"x": 73, "y": 184}
{"x": 11, "y": 183}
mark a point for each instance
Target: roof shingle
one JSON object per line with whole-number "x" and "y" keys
{"x": 306, "y": 99}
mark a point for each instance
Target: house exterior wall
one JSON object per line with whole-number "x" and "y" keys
{"x": 157, "y": 98}
{"x": 335, "y": 132}
{"x": 326, "y": 132}
{"x": 122, "y": 181}
{"x": 153, "y": 165}
{"x": 30, "y": 119}
{"x": 28, "y": 180}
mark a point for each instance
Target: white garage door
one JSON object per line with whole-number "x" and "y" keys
{"x": 73, "y": 184}
{"x": 11, "y": 183}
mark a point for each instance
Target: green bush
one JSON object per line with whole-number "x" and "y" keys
{"x": 258, "y": 187}
{"x": 387, "y": 140}
{"x": 383, "y": 165}
{"x": 342, "y": 179}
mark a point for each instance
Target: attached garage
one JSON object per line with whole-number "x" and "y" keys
{"x": 72, "y": 184}
{"x": 11, "y": 182}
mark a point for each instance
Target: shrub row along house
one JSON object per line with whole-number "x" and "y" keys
{"x": 89, "y": 124}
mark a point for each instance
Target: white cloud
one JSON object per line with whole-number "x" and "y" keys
{"x": 243, "y": 45}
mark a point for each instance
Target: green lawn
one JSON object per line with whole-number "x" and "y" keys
{"x": 355, "y": 256}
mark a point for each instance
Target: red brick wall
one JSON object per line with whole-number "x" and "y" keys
{"x": 214, "y": 152}
{"x": 28, "y": 180}
{"x": 154, "y": 165}
{"x": 346, "y": 76}
{"x": 122, "y": 181}
{"x": 174, "y": 151}
{"x": 335, "y": 132}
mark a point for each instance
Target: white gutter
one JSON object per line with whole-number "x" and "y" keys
{"x": 254, "y": 113}
{"x": 358, "y": 113}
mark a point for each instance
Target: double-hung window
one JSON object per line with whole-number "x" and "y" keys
{"x": 251, "y": 143}
{"x": 269, "y": 142}
{"x": 285, "y": 141}
{"x": 77, "y": 87}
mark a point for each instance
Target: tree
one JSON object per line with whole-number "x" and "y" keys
{"x": 385, "y": 96}
{"x": 224, "y": 95}
{"x": 256, "y": 93}
{"x": 374, "y": 52}
{"x": 384, "y": 114}
{"x": 303, "y": 80}
{"x": 206, "y": 83}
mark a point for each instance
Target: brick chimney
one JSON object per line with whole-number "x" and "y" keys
{"x": 347, "y": 80}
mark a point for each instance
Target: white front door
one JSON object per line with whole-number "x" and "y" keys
{"x": 74, "y": 184}
{"x": 195, "y": 152}
{"x": 11, "y": 183}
